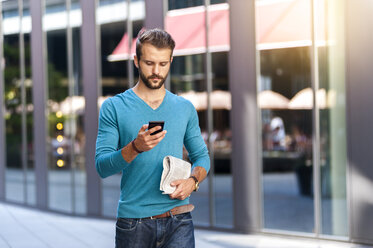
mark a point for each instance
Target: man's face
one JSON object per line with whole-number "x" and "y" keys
{"x": 153, "y": 65}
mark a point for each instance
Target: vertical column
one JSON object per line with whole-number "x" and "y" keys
{"x": 23, "y": 100}
{"x": 154, "y": 13}
{"x": 2, "y": 113}
{"x": 210, "y": 119}
{"x": 315, "y": 119}
{"x": 72, "y": 118}
{"x": 90, "y": 91}
{"x": 359, "y": 91}
{"x": 131, "y": 82}
{"x": 38, "y": 62}
{"x": 244, "y": 116}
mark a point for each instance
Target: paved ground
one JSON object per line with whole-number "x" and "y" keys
{"x": 280, "y": 193}
{"x": 28, "y": 228}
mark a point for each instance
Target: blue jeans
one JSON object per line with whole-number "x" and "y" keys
{"x": 176, "y": 231}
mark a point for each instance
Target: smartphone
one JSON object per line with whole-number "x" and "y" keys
{"x": 154, "y": 124}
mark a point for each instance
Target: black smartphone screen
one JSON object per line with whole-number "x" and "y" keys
{"x": 154, "y": 124}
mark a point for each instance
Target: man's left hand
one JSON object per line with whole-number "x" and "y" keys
{"x": 184, "y": 187}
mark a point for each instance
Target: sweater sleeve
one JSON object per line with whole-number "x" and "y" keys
{"x": 194, "y": 143}
{"x": 109, "y": 159}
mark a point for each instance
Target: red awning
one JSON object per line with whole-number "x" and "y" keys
{"x": 279, "y": 24}
{"x": 286, "y": 23}
{"x": 121, "y": 51}
{"x": 187, "y": 27}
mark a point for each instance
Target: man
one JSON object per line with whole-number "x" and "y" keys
{"x": 146, "y": 217}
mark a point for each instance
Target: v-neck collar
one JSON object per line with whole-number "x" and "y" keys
{"x": 147, "y": 105}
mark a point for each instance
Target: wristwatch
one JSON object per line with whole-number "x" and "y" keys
{"x": 196, "y": 183}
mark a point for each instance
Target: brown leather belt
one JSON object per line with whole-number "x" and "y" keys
{"x": 176, "y": 210}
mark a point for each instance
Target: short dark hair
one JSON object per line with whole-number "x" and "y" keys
{"x": 156, "y": 37}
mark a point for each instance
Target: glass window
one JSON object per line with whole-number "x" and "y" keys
{"x": 20, "y": 178}
{"x": 58, "y": 142}
{"x": 14, "y": 177}
{"x": 332, "y": 101}
{"x": 292, "y": 147}
{"x": 65, "y": 108}
{"x": 286, "y": 140}
{"x": 286, "y": 114}
{"x": 221, "y": 138}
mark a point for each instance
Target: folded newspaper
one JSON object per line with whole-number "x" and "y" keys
{"x": 173, "y": 169}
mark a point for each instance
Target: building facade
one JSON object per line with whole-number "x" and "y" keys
{"x": 282, "y": 89}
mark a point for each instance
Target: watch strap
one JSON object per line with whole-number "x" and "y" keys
{"x": 196, "y": 182}
{"x": 134, "y": 146}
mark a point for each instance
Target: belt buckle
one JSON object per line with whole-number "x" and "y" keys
{"x": 152, "y": 218}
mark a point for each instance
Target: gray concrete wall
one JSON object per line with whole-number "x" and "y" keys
{"x": 359, "y": 82}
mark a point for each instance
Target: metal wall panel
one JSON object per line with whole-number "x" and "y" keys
{"x": 360, "y": 117}
{"x": 154, "y": 13}
{"x": 38, "y": 63}
{"x": 244, "y": 116}
{"x": 90, "y": 90}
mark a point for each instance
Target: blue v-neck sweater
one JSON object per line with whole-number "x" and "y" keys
{"x": 121, "y": 118}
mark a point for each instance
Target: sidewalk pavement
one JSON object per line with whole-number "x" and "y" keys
{"x": 22, "y": 227}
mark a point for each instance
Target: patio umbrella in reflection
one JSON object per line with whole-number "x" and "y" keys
{"x": 304, "y": 99}
{"x": 76, "y": 104}
{"x": 269, "y": 99}
{"x": 219, "y": 99}
{"x": 196, "y": 98}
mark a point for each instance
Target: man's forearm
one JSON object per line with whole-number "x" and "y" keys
{"x": 129, "y": 153}
{"x": 200, "y": 173}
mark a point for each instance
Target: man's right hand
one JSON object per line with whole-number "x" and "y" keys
{"x": 145, "y": 142}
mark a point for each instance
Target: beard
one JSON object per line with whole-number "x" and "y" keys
{"x": 148, "y": 83}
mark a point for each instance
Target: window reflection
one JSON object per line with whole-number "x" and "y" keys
{"x": 20, "y": 177}
{"x": 286, "y": 99}
{"x": 286, "y": 139}
{"x": 13, "y": 119}
{"x": 59, "y": 165}
{"x": 221, "y": 102}
{"x": 13, "y": 84}
{"x": 65, "y": 105}
{"x": 333, "y": 158}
